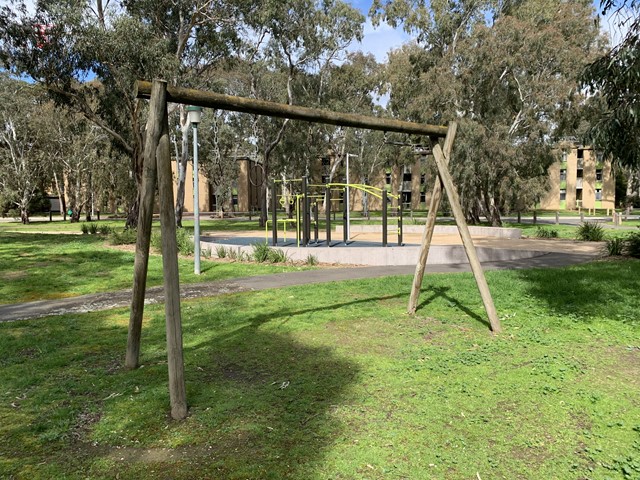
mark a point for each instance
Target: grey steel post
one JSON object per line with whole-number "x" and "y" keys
{"x": 327, "y": 211}
{"x": 274, "y": 214}
{"x": 384, "y": 217}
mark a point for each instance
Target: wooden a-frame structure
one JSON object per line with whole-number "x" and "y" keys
{"x": 157, "y": 168}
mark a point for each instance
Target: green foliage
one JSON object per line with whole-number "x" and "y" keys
{"x": 128, "y": 236}
{"x": 278, "y": 256}
{"x": 260, "y": 252}
{"x": 84, "y": 228}
{"x": 93, "y": 228}
{"x": 542, "y": 232}
{"x": 221, "y": 251}
{"x": 616, "y": 246}
{"x": 633, "y": 244}
{"x": 184, "y": 241}
{"x": 105, "y": 229}
{"x": 311, "y": 260}
{"x": 613, "y": 82}
{"x": 590, "y": 232}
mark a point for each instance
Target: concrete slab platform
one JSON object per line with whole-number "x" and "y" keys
{"x": 365, "y": 248}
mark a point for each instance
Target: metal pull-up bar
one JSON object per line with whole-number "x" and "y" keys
{"x": 262, "y": 107}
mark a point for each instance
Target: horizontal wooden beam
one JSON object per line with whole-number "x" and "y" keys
{"x": 261, "y": 107}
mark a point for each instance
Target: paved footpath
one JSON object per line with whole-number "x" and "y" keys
{"x": 122, "y": 298}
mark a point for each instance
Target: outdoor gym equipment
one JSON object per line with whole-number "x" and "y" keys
{"x": 301, "y": 202}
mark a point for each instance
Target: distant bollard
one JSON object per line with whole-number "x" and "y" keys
{"x": 581, "y": 217}
{"x": 557, "y": 218}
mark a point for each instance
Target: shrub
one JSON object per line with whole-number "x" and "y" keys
{"x": 546, "y": 232}
{"x": 221, "y": 252}
{"x": 260, "y": 252}
{"x": 311, "y": 260}
{"x": 105, "y": 230}
{"x": 633, "y": 244}
{"x": 616, "y": 247}
{"x": 277, "y": 256}
{"x": 93, "y": 228}
{"x": 590, "y": 232}
{"x": 125, "y": 237}
{"x": 233, "y": 254}
{"x": 84, "y": 228}
{"x": 184, "y": 241}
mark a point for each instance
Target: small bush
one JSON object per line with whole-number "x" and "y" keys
{"x": 125, "y": 237}
{"x": 546, "y": 232}
{"x": 105, "y": 229}
{"x": 277, "y": 256}
{"x": 260, "y": 252}
{"x": 590, "y": 232}
{"x": 221, "y": 252}
{"x": 311, "y": 260}
{"x": 616, "y": 247}
{"x": 242, "y": 256}
{"x": 233, "y": 254}
{"x": 633, "y": 244}
{"x": 93, "y": 228}
{"x": 206, "y": 253}
{"x": 184, "y": 242}
{"x": 84, "y": 228}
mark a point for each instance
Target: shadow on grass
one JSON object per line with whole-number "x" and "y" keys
{"x": 441, "y": 292}
{"x": 600, "y": 289}
{"x": 261, "y": 402}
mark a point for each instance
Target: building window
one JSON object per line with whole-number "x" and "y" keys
{"x": 563, "y": 195}
{"x": 581, "y": 153}
{"x": 387, "y": 178}
{"x": 564, "y": 157}
{"x": 563, "y": 174}
{"x": 423, "y": 178}
{"x": 423, "y": 197}
{"x": 599, "y": 175}
{"x": 598, "y": 194}
{"x": 325, "y": 179}
{"x": 580, "y": 173}
{"x": 406, "y": 199}
{"x": 326, "y": 162}
{"x": 406, "y": 176}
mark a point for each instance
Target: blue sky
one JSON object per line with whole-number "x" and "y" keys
{"x": 383, "y": 38}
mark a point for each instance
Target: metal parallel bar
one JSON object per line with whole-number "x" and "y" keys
{"x": 305, "y": 214}
{"x": 327, "y": 211}
{"x": 384, "y": 218}
{"x": 294, "y": 112}
{"x": 274, "y": 213}
{"x": 315, "y": 221}
{"x": 400, "y": 224}
{"x": 345, "y": 236}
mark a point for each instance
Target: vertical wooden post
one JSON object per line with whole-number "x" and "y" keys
{"x": 454, "y": 200}
{"x": 177, "y": 390}
{"x": 427, "y": 233}
{"x": 145, "y": 217}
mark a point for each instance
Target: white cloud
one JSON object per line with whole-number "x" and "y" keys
{"x": 380, "y": 40}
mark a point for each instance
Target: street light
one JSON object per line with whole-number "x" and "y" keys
{"x": 194, "y": 115}
{"x": 348, "y": 212}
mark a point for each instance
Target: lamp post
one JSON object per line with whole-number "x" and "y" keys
{"x": 347, "y": 194}
{"x": 194, "y": 115}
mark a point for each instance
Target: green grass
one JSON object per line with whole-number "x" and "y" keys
{"x": 336, "y": 381}
{"x": 46, "y": 266}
